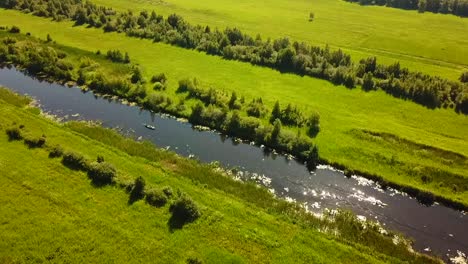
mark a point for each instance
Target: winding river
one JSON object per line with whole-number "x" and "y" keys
{"x": 436, "y": 229}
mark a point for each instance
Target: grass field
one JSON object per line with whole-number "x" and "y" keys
{"x": 51, "y": 213}
{"x": 344, "y": 113}
{"x": 431, "y": 43}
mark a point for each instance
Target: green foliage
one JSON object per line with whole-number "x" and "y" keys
{"x": 156, "y": 197}
{"x": 102, "y": 173}
{"x": 161, "y": 78}
{"x": 194, "y": 260}
{"x": 464, "y": 77}
{"x": 282, "y": 54}
{"x": 15, "y": 30}
{"x": 313, "y": 124}
{"x": 56, "y": 151}
{"x": 138, "y": 190}
{"x": 75, "y": 161}
{"x": 35, "y": 142}
{"x": 368, "y": 82}
{"x": 184, "y": 209}
{"x": 256, "y": 108}
{"x": 456, "y": 7}
{"x": 118, "y": 56}
{"x": 14, "y": 133}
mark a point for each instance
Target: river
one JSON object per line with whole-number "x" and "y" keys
{"x": 436, "y": 229}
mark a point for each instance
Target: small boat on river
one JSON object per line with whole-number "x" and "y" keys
{"x": 150, "y": 127}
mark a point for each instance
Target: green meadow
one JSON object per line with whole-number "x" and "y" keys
{"x": 430, "y": 43}
{"x": 406, "y": 140}
{"x": 51, "y": 213}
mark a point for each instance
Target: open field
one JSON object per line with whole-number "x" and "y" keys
{"x": 431, "y": 43}
{"x": 345, "y": 114}
{"x": 53, "y": 213}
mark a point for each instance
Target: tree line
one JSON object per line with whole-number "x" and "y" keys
{"x": 281, "y": 54}
{"x": 455, "y": 7}
{"x": 213, "y": 108}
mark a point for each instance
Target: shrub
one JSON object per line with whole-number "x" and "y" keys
{"x": 156, "y": 197}
{"x": 161, "y": 77}
{"x": 102, "y": 173}
{"x": 100, "y": 159}
{"x": 314, "y": 125}
{"x": 75, "y": 161}
{"x": 159, "y": 86}
{"x": 14, "y": 133}
{"x": 194, "y": 260}
{"x": 35, "y": 142}
{"x": 464, "y": 77}
{"x": 184, "y": 209}
{"x": 15, "y": 29}
{"x": 56, "y": 151}
{"x": 168, "y": 191}
{"x": 138, "y": 190}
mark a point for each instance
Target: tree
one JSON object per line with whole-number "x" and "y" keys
{"x": 137, "y": 75}
{"x": 232, "y": 101}
{"x": 138, "y": 190}
{"x": 313, "y": 157}
{"x": 276, "y": 113}
{"x": 276, "y": 131}
{"x": 127, "y": 58}
{"x": 15, "y": 29}
{"x": 422, "y": 4}
{"x": 464, "y": 77}
{"x": 368, "y": 82}
{"x": 314, "y": 125}
{"x": 311, "y": 16}
{"x": 49, "y": 38}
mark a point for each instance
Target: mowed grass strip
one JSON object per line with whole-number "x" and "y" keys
{"x": 342, "y": 110}
{"x": 432, "y": 43}
{"x": 52, "y": 213}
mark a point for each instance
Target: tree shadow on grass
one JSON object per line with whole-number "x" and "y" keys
{"x": 176, "y": 223}
{"x": 134, "y": 197}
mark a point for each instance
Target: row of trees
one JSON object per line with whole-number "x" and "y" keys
{"x": 36, "y": 59}
{"x": 456, "y": 7}
{"x": 219, "y": 110}
{"x": 281, "y": 54}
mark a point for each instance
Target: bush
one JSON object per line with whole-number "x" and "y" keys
{"x": 464, "y": 77}
{"x": 75, "y": 161}
{"x": 15, "y": 29}
{"x": 159, "y": 86}
{"x": 161, "y": 78}
{"x": 138, "y": 190}
{"x": 35, "y": 142}
{"x": 156, "y": 197}
{"x": 102, "y": 173}
{"x": 184, "y": 209}
{"x": 14, "y": 133}
{"x": 100, "y": 159}
{"x": 56, "y": 151}
{"x": 194, "y": 260}
{"x": 168, "y": 191}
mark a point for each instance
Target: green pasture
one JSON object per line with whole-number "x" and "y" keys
{"x": 342, "y": 111}
{"x": 432, "y": 43}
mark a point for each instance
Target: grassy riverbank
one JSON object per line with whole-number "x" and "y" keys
{"x": 73, "y": 219}
{"x": 371, "y": 132}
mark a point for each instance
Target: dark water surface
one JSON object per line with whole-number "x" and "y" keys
{"x": 436, "y": 229}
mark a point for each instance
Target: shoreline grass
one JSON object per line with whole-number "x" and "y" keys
{"x": 74, "y": 219}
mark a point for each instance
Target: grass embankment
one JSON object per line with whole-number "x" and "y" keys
{"x": 345, "y": 114}
{"x": 53, "y": 213}
{"x": 363, "y": 31}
